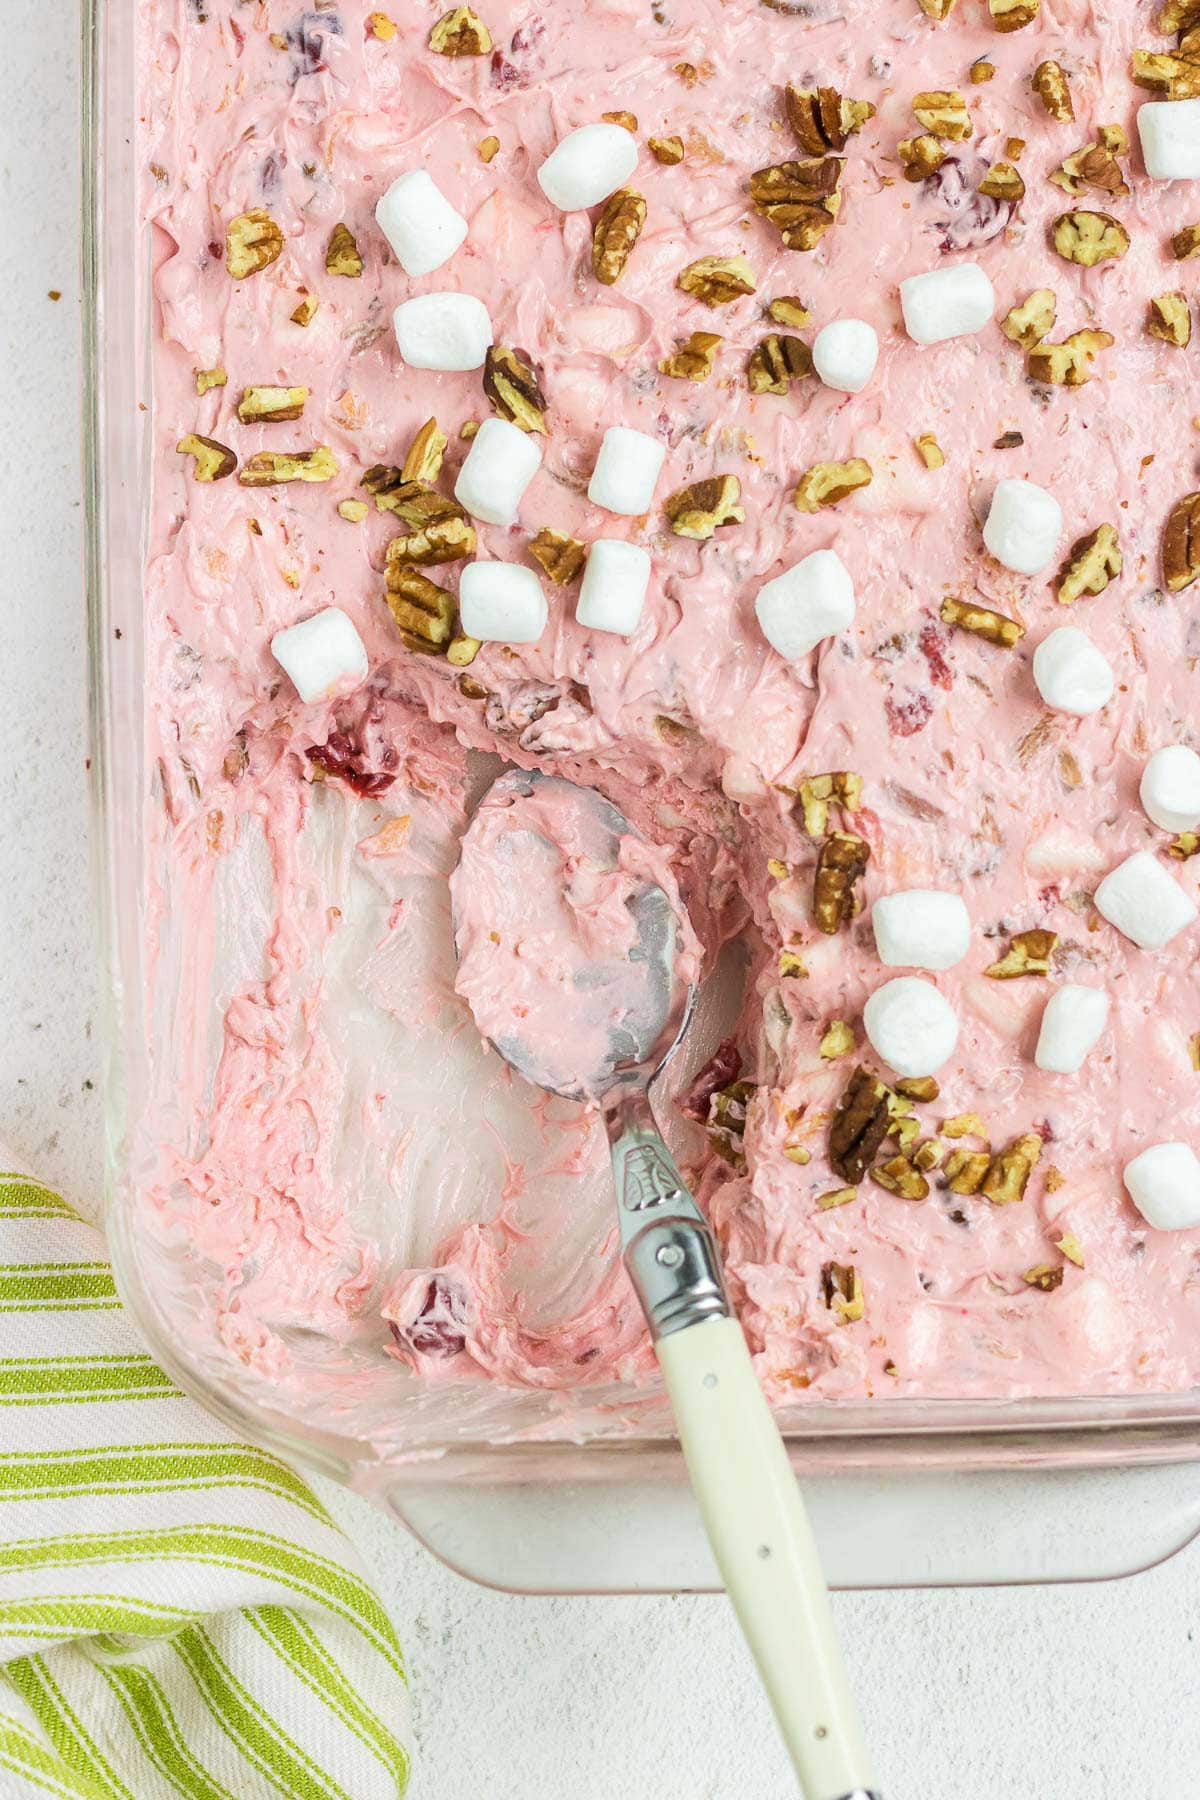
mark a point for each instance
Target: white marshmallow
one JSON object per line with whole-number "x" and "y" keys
{"x": 844, "y": 354}
{"x": 323, "y": 655}
{"x": 1170, "y": 134}
{"x": 1170, "y": 788}
{"x": 614, "y": 585}
{"x": 443, "y": 331}
{"x": 419, "y": 223}
{"x": 1072, "y": 1023}
{"x": 947, "y": 303}
{"x": 627, "y": 469}
{"x": 1144, "y": 903}
{"x": 808, "y": 602}
{"x": 1024, "y": 524}
{"x": 921, "y": 928}
{"x": 587, "y": 166}
{"x": 502, "y": 603}
{"x": 911, "y": 1026}
{"x": 1164, "y": 1184}
{"x": 499, "y": 466}
{"x": 1071, "y": 674}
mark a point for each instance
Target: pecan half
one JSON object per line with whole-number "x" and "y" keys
{"x": 716, "y": 280}
{"x": 1089, "y": 238}
{"x": 1096, "y": 165}
{"x": 966, "y": 1170}
{"x": 930, "y": 451}
{"x": 253, "y": 242}
{"x": 921, "y": 156}
{"x": 561, "y": 557}
{"x": 943, "y": 111}
{"x": 512, "y": 386}
{"x": 1092, "y": 562}
{"x": 1186, "y": 243}
{"x": 268, "y": 405}
{"x": 423, "y": 611}
{"x": 210, "y": 461}
{"x": 1013, "y": 15}
{"x": 996, "y": 627}
{"x": 1028, "y": 953}
{"x": 667, "y": 150}
{"x": 1181, "y": 544}
{"x": 461, "y": 33}
{"x": 774, "y": 364}
{"x": 1052, "y": 88}
{"x": 826, "y": 483}
{"x": 1068, "y": 364}
{"x": 1169, "y": 317}
{"x": 1003, "y": 181}
{"x": 699, "y": 510}
{"x": 842, "y": 863}
{"x": 822, "y": 119}
{"x": 859, "y": 1126}
{"x": 1009, "y": 1174}
{"x": 692, "y": 358}
{"x": 1174, "y": 75}
{"x": 438, "y": 528}
{"x": 819, "y": 792}
{"x": 1028, "y": 323}
{"x": 271, "y": 468}
{"x": 899, "y": 1176}
{"x": 842, "y": 1291}
{"x": 800, "y": 199}
{"x": 424, "y": 459}
{"x": 617, "y": 229}
{"x": 1046, "y": 1276}
{"x": 342, "y": 256}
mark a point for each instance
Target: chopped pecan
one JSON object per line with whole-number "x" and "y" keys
{"x": 836, "y": 1197}
{"x": 792, "y": 964}
{"x": 252, "y": 243}
{"x": 512, "y": 386}
{"x": 271, "y": 468}
{"x": 210, "y": 378}
{"x": 843, "y": 1291}
{"x": 1181, "y": 544}
{"x": 699, "y": 510}
{"x": 837, "y": 1040}
{"x": 800, "y": 199}
{"x": 692, "y": 357}
{"x": 353, "y": 511}
{"x": 819, "y": 792}
{"x": 626, "y": 119}
{"x": 921, "y": 156}
{"x": 1092, "y": 562}
{"x": 787, "y": 309}
{"x": 307, "y": 310}
{"x": 822, "y": 119}
{"x": 859, "y": 1126}
{"x": 1013, "y": 15}
{"x": 919, "y": 1087}
{"x": 668, "y": 150}
{"x": 210, "y": 461}
{"x": 982, "y": 70}
{"x": 1052, "y": 88}
{"x": 996, "y": 627}
{"x": 269, "y": 405}
{"x": 1068, "y": 1243}
{"x": 1186, "y": 243}
{"x": 1029, "y": 323}
{"x": 1009, "y": 440}
{"x": 617, "y": 229}
{"x": 1185, "y": 846}
{"x": 489, "y": 147}
{"x": 966, "y": 1170}
{"x": 943, "y": 112}
{"x": 1028, "y": 953}
{"x": 462, "y": 651}
{"x": 342, "y": 256}
{"x": 561, "y": 557}
{"x": 937, "y": 9}
{"x": 1089, "y": 238}
{"x": 1003, "y": 182}
{"x": 1173, "y": 74}
{"x": 841, "y": 864}
{"x": 1177, "y": 15}
{"x": 826, "y": 483}
{"x": 1096, "y": 165}
{"x": 461, "y": 33}
{"x": 1046, "y": 1276}
{"x": 930, "y": 451}
{"x": 381, "y": 27}
{"x": 423, "y": 611}
{"x": 438, "y": 528}
{"x": 1068, "y": 364}
{"x": 899, "y": 1176}
{"x": 424, "y": 459}
{"x": 716, "y": 280}
{"x": 968, "y": 1124}
{"x": 726, "y": 1124}
{"x": 1009, "y": 1174}
{"x": 776, "y": 362}
{"x": 928, "y": 1155}
{"x": 1169, "y": 317}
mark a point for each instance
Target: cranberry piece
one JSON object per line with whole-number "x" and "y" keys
{"x": 439, "y": 1328}
{"x": 504, "y": 73}
{"x": 909, "y": 714}
{"x": 965, "y": 218}
{"x": 722, "y": 1067}
{"x": 932, "y": 645}
{"x": 345, "y": 756}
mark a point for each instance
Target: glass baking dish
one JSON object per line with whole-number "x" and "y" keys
{"x": 903, "y": 1492}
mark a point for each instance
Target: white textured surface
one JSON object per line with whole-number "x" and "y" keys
{"x": 1090, "y": 1693}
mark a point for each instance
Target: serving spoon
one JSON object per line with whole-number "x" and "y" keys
{"x": 748, "y": 1497}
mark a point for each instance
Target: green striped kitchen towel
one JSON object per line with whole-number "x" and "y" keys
{"x": 179, "y": 1616}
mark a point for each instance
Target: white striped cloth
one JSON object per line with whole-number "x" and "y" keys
{"x": 179, "y": 1616}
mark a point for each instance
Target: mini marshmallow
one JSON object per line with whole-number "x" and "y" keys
{"x": 443, "y": 331}
{"x": 627, "y": 468}
{"x": 1144, "y": 903}
{"x": 911, "y": 1026}
{"x": 419, "y": 223}
{"x": 1072, "y": 1023}
{"x": 1170, "y": 789}
{"x": 844, "y": 354}
{"x": 1072, "y": 676}
{"x": 921, "y": 928}
{"x": 614, "y": 586}
{"x": 502, "y": 603}
{"x": 808, "y": 602}
{"x": 947, "y": 303}
{"x": 1164, "y": 1183}
{"x": 587, "y": 166}
{"x": 323, "y": 655}
{"x": 1170, "y": 134}
{"x": 1023, "y": 526}
{"x": 499, "y": 466}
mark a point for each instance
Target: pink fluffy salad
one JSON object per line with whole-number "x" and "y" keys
{"x": 874, "y": 727}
